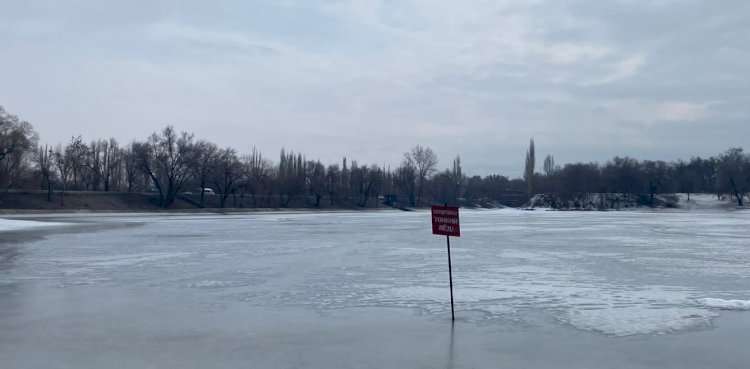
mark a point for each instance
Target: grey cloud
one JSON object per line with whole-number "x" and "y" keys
{"x": 369, "y": 79}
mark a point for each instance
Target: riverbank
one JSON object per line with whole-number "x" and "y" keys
{"x": 624, "y": 202}
{"x": 37, "y": 202}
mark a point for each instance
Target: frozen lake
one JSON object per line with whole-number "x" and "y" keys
{"x": 533, "y": 289}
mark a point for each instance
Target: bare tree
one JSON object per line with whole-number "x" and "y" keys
{"x": 405, "y": 179}
{"x": 166, "y": 159}
{"x": 315, "y": 178}
{"x": 707, "y": 171}
{"x": 94, "y": 163}
{"x": 104, "y": 161}
{"x": 78, "y": 152}
{"x": 111, "y": 161}
{"x": 656, "y": 174}
{"x": 205, "y": 154}
{"x": 688, "y": 180}
{"x": 18, "y": 142}
{"x": 130, "y": 165}
{"x": 333, "y": 182}
{"x": 257, "y": 171}
{"x": 44, "y": 163}
{"x": 113, "y": 170}
{"x": 377, "y": 179}
{"x": 227, "y": 174}
{"x": 580, "y": 177}
{"x": 424, "y": 162}
{"x": 365, "y": 181}
{"x": 443, "y": 187}
{"x": 624, "y": 175}
{"x": 64, "y": 160}
{"x": 290, "y": 177}
{"x": 734, "y": 174}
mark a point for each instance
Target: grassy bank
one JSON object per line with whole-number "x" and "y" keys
{"x": 16, "y": 202}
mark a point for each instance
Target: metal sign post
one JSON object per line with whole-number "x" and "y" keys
{"x": 450, "y": 274}
{"x": 445, "y": 222}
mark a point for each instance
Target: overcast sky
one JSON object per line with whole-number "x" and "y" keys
{"x": 369, "y": 79}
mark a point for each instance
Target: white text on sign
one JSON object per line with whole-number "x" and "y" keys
{"x": 445, "y": 221}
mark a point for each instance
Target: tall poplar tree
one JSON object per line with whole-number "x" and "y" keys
{"x": 528, "y": 172}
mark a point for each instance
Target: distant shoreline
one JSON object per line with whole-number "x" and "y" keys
{"x": 22, "y": 203}
{"x": 36, "y": 202}
{"x": 13, "y": 212}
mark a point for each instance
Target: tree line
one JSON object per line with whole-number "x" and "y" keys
{"x": 726, "y": 174}
{"x": 172, "y": 165}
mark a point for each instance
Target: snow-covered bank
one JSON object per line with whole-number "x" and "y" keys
{"x": 619, "y": 201}
{"x": 704, "y": 202}
{"x": 588, "y": 201}
{"x": 15, "y": 225}
{"x": 725, "y": 304}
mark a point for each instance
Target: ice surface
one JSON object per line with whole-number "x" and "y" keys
{"x": 624, "y": 321}
{"x": 210, "y": 284}
{"x": 582, "y": 275}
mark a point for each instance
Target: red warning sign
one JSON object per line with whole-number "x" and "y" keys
{"x": 445, "y": 221}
